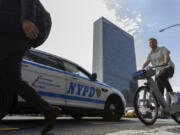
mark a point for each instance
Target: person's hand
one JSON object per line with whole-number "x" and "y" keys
{"x": 30, "y": 29}
{"x": 147, "y": 68}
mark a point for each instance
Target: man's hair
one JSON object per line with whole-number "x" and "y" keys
{"x": 153, "y": 39}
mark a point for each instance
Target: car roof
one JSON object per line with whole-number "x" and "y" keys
{"x": 61, "y": 58}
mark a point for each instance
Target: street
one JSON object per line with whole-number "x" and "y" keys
{"x": 87, "y": 126}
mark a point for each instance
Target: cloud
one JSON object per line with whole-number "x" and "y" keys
{"x": 125, "y": 18}
{"x": 138, "y": 18}
{"x": 176, "y": 88}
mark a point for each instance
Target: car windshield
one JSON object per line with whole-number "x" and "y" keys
{"x": 74, "y": 69}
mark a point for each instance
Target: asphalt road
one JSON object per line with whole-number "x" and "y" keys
{"x": 87, "y": 126}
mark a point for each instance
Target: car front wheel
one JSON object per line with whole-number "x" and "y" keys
{"x": 113, "y": 110}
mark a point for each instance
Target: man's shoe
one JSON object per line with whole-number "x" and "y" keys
{"x": 50, "y": 119}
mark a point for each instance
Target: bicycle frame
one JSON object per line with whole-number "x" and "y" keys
{"x": 171, "y": 109}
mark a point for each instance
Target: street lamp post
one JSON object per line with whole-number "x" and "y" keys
{"x": 168, "y": 27}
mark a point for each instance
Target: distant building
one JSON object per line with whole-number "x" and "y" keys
{"x": 114, "y": 57}
{"x": 178, "y": 94}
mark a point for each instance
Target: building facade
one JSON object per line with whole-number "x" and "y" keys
{"x": 114, "y": 57}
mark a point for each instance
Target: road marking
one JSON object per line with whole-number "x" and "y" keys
{"x": 9, "y": 129}
{"x": 102, "y": 123}
{"x": 97, "y": 123}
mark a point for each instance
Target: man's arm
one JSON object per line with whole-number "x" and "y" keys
{"x": 28, "y": 17}
{"x": 28, "y": 10}
{"x": 166, "y": 55}
{"x": 166, "y": 58}
{"x": 146, "y": 64}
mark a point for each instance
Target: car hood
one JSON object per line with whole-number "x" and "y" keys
{"x": 115, "y": 91}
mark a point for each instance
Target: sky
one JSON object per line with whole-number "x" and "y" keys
{"x": 71, "y": 36}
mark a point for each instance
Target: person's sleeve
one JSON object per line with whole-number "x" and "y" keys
{"x": 28, "y": 10}
{"x": 165, "y": 50}
{"x": 148, "y": 57}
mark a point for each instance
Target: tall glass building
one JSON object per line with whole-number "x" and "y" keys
{"x": 114, "y": 57}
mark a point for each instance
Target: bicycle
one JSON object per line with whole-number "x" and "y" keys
{"x": 148, "y": 97}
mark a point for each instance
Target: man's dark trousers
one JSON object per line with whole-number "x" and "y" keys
{"x": 10, "y": 73}
{"x": 162, "y": 79}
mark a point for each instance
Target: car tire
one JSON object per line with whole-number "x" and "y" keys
{"x": 113, "y": 110}
{"x": 6, "y": 102}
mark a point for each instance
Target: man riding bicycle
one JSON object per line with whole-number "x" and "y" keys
{"x": 160, "y": 56}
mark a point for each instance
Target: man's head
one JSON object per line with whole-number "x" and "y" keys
{"x": 153, "y": 43}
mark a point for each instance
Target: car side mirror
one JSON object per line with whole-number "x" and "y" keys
{"x": 94, "y": 76}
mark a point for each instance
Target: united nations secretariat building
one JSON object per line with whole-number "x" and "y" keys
{"x": 114, "y": 57}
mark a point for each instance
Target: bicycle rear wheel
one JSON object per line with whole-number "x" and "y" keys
{"x": 146, "y": 106}
{"x": 176, "y": 117}
{"x": 6, "y": 102}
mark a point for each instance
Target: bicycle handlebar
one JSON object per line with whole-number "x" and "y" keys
{"x": 142, "y": 74}
{"x": 158, "y": 66}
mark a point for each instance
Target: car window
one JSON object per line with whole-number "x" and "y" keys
{"x": 74, "y": 69}
{"x": 44, "y": 59}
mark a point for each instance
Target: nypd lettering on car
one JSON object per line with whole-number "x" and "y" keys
{"x": 79, "y": 89}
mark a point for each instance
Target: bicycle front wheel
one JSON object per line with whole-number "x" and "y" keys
{"x": 146, "y": 106}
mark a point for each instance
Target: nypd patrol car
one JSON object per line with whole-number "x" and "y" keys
{"x": 64, "y": 83}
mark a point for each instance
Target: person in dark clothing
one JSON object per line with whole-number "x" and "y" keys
{"x": 17, "y": 24}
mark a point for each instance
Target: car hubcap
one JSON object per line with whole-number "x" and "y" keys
{"x": 112, "y": 109}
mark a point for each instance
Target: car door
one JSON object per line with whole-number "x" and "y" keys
{"x": 45, "y": 74}
{"x": 81, "y": 91}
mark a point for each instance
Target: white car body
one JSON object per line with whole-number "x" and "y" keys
{"x": 61, "y": 87}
